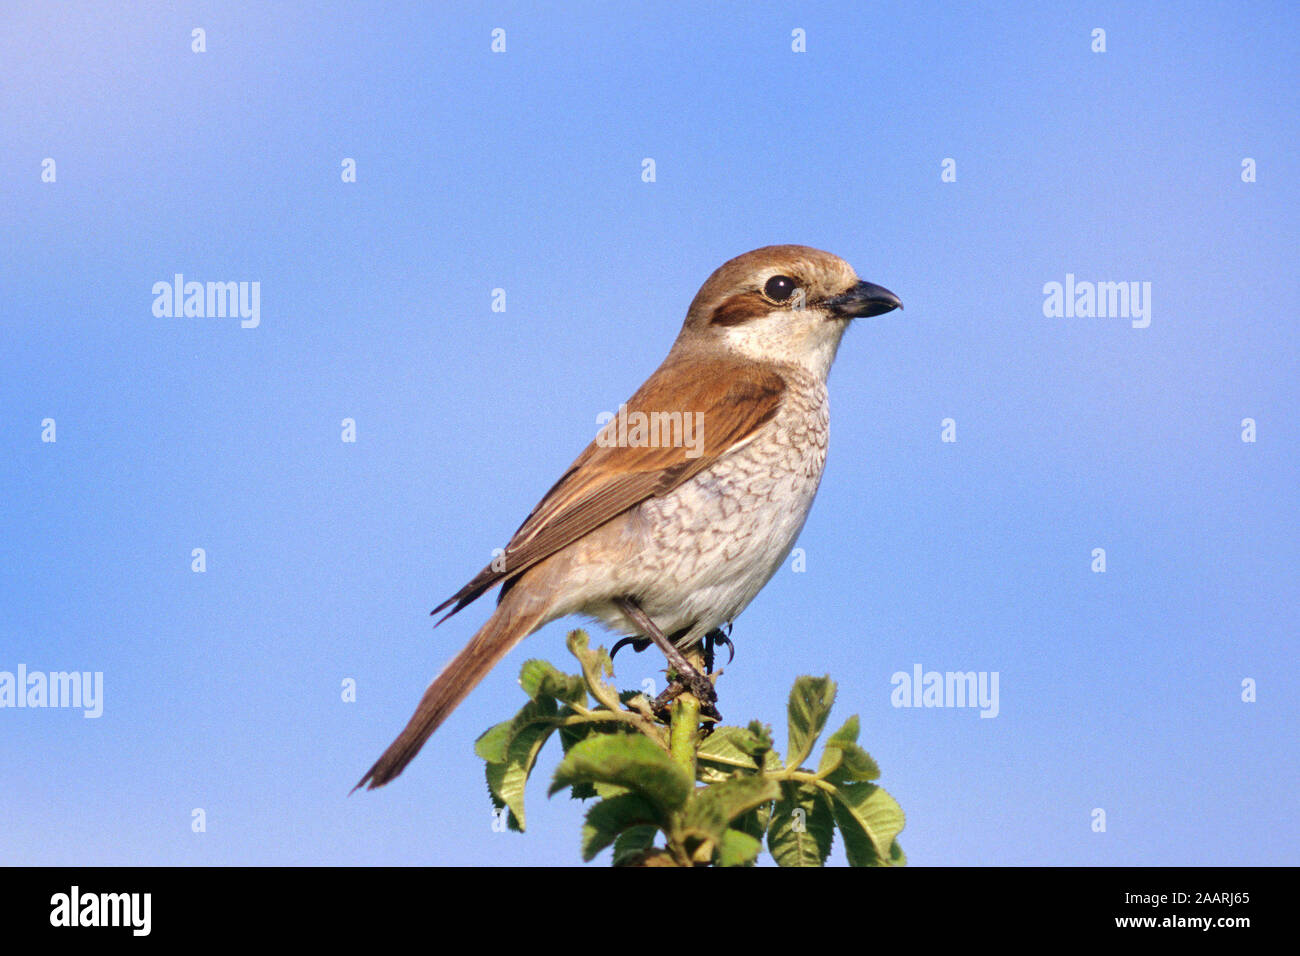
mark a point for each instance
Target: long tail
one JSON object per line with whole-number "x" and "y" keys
{"x": 507, "y": 626}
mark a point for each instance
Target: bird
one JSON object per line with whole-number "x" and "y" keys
{"x": 664, "y": 532}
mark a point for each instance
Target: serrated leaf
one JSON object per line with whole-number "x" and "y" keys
{"x": 578, "y": 643}
{"x": 607, "y": 790}
{"x": 570, "y": 734}
{"x": 843, "y": 760}
{"x": 830, "y": 762}
{"x": 810, "y": 704}
{"x": 624, "y": 760}
{"x": 847, "y": 734}
{"x": 765, "y": 755}
{"x": 754, "y": 822}
{"x": 731, "y": 747}
{"x": 496, "y": 782}
{"x": 762, "y": 733}
{"x": 595, "y": 662}
{"x": 492, "y": 743}
{"x": 609, "y": 818}
{"x": 802, "y": 828}
{"x": 896, "y": 855}
{"x": 857, "y": 845}
{"x": 540, "y": 678}
{"x": 710, "y": 810}
{"x": 853, "y": 765}
{"x": 737, "y": 848}
{"x": 509, "y": 777}
{"x": 869, "y": 819}
{"x": 632, "y": 842}
{"x": 497, "y": 802}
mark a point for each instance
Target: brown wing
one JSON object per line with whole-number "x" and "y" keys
{"x": 734, "y": 398}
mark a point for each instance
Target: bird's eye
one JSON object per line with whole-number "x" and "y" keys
{"x": 779, "y": 288}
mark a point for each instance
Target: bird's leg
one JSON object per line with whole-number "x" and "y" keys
{"x": 686, "y": 676}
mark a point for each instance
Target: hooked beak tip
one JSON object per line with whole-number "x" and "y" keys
{"x": 864, "y": 300}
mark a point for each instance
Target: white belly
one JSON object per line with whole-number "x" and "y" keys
{"x": 697, "y": 556}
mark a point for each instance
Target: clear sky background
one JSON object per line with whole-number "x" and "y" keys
{"x": 522, "y": 170}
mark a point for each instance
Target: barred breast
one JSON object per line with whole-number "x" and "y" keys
{"x": 697, "y": 556}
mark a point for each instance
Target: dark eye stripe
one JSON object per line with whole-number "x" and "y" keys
{"x": 738, "y": 309}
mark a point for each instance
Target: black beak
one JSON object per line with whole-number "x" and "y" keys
{"x": 863, "y": 300}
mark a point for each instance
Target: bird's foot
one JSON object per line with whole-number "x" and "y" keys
{"x": 639, "y": 644}
{"x": 714, "y": 638}
{"x": 661, "y": 706}
{"x": 695, "y": 683}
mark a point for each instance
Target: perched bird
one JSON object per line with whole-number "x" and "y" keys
{"x": 664, "y": 535}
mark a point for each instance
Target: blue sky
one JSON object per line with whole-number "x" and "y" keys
{"x": 522, "y": 171}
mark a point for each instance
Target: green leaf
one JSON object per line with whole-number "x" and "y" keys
{"x": 570, "y": 734}
{"x": 633, "y": 841}
{"x": 609, "y": 818}
{"x": 492, "y": 743}
{"x": 810, "y": 704}
{"x": 852, "y": 766}
{"x": 802, "y": 827}
{"x": 507, "y": 778}
{"x": 711, "y": 809}
{"x": 625, "y": 760}
{"x": 577, "y": 643}
{"x": 869, "y": 819}
{"x": 754, "y": 822}
{"x": 764, "y": 753}
{"x": 843, "y": 760}
{"x": 608, "y": 790}
{"x": 731, "y": 747}
{"x": 832, "y": 757}
{"x": 848, "y": 734}
{"x": 763, "y": 734}
{"x": 594, "y": 663}
{"x": 540, "y": 678}
{"x": 896, "y": 855}
{"x": 496, "y": 784}
{"x": 703, "y": 824}
{"x": 738, "y": 849}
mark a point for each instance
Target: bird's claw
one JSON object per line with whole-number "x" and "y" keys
{"x": 639, "y": 644}
{"x": 712, "y": 640}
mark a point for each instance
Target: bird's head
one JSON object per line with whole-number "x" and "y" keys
{"x": 783, "y": 304}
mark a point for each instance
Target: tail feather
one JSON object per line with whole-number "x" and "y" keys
{"x": 504, "y": 629}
